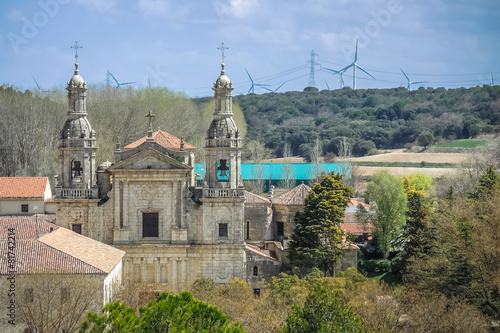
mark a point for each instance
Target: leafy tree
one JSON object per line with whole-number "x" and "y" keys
{"x": 170, "y": 313}
{"x": 425, "y": 139}
{"x": 389, "y": 198}
{"x": 323, "y": 311}
{"x": 317, "y": 238}
{"x": 466, "y": 260}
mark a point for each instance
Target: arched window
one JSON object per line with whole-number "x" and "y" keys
{"x": 255, "y": 270}
{"x": 76, "y": 170}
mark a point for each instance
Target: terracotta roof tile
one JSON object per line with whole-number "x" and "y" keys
{"x": 261, "y": 252}
{"x": 38, "y": 249}
{"x": 97, "y": 254}
{"x": 164, "y": 139}
{"x": 357, "y": 228}
{"x": 23, "y": 187}
{"x": 294, "y": 196}
{"x": 253, "y": 198}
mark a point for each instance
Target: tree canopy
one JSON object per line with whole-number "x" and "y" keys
{"x": 169, "y": 313}
{"x": 386, "y": 193}
{"x": 317, "y": 238}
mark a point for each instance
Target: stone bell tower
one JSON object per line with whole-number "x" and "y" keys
{"x": 223, "y": 144}
{"x": 77, "y": 146}
{"x": 223, "y": 194}
{"x": 76, "y": 186}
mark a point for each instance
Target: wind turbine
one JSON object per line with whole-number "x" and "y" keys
{"x": 254, "y": 84}
{"x": 341, "y": 72}
{"x": 353, "y": 65}
{"x": 118, "y": 84}
{"x": 275, "y": 90}
{"x": 327, "y": 86}
{"x": 409, "y": 82}
{"x": 37, "y": 85}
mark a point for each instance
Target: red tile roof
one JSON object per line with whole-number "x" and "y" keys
{"x": 357, "y": 228}
{"x": 43, "y": 247}
{"x": 92, "y": 252}
{"x": 23, "y": 187}
{"x": 164, "y": 139}
{"x": 294, "y": 196}
{"x": 253, "y": 198}
{"x": 261, "y": 252}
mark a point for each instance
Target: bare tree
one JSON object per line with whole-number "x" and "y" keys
{"x": 315, "y": 155}
{"x": 287, "y": 173}
{"x": 57, "y": 303}
{"x": 348, "y": 167}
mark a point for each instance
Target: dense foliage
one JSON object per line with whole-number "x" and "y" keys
{"x": 169, "y": 313}
{"x": 385, "y": 118}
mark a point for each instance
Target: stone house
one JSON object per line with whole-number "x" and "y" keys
{"x": 25, "y": 196}
{"x": 44, "y": 264}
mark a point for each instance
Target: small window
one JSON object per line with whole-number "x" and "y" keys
{"x": 256, "y": 292}
{"x": 281, "y": 229}
{"x": 24, "y": 208}
{"x": 150, "y": 225}
{"x": 255, "y": 270}
{"x": 247, "y": 234}
{"x": 222, "y": 229}
{"x": 77, "y": 227}
{"x": 28, "y": 295}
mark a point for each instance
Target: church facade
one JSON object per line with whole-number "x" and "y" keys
{"x": 147, "y": 204}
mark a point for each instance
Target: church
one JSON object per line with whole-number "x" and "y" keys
{"x": 147, "y": 203}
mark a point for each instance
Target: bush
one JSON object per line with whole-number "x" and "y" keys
{"x": 374, "y": 265}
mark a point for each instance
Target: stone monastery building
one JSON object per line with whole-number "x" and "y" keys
{"x": 147, "y": 204}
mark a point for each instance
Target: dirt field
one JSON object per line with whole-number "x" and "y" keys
{"x": 400, "y": 156}
{"x": 431, "y": 172}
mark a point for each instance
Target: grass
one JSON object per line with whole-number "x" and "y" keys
{"x": 388, "y": 277}
{"x": 463, "y": 143}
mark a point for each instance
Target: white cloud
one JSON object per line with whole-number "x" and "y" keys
{"x": 238, "y": 8}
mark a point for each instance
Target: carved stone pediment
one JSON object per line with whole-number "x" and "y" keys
{"x": 149, "y": 159}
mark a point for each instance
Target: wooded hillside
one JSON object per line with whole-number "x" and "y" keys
{"x": 30, "y": 121}
{"x": 369, "y": 118}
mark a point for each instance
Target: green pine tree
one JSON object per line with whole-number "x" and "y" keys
{"x": 317, "y": 238}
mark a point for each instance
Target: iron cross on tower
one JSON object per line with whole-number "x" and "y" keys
{"x": 76, "y": 47}
{"x": 222, "y": 48}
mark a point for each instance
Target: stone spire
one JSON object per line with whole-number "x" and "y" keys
{"x": 77, "y": 143}
{"x": 223, "y": 142}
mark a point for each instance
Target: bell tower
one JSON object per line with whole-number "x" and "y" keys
{"x": 223, "y": 144}
{"x": 77, "y": 144}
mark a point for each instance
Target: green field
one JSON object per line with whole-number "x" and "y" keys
{"x": 464, "y": 143}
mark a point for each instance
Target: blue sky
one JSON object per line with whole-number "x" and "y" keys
{"x": 449, "y": 43}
